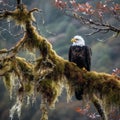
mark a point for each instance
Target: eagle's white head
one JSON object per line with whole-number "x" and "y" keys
{"x": 78, "y": 40}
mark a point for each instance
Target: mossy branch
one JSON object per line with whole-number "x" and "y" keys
{"x": 51, "y": 73}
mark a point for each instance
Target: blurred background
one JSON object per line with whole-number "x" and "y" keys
{"x": 59, "y": 29}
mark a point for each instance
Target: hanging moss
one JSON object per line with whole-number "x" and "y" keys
{"x": 50, "y": 90}
{"x": 7, "y": 81}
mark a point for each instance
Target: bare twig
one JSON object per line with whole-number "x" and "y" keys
{"x": 97, "y": 31}
{"x": 101, "y": 26}
{"x": 35, "y": 9}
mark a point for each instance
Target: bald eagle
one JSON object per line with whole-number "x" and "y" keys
{"x": 80, "y": 54}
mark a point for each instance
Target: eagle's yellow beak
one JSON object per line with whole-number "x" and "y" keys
{"x": 73, "y": 40}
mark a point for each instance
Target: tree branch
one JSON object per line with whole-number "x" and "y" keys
{"x": 97, "y": 24}
{"x": 91, "y": 15}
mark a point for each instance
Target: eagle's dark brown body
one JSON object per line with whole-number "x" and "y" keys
{"x": 81, "y": 55}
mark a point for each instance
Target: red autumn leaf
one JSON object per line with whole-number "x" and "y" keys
{"x": 81, "y": 111}
{"x": 60, "y": 4}
{"x": 117, "y": 7}
{"x": 116, "y": 71}
{"x": 87, "y": 5}
{"x": 102, "y": 6}
{"x": 81, "y": 8}
{"x": 73, "y": 2}
{"x": 86, "y": 8}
